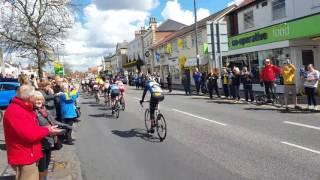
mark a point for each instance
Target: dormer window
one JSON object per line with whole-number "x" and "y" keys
{"x": 248, "y": 19}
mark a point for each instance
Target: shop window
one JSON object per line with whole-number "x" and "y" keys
{"x": 248, "y": 20}
{"x": 278, "y": 9}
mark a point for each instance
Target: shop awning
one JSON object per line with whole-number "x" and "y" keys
{"x": 193, "y": 62}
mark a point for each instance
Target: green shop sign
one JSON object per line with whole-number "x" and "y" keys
{"x": 306, "y": 27}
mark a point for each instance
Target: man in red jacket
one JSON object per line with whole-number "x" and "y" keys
{"x": 23, "y": 135}
{"x": 268, "y": 77}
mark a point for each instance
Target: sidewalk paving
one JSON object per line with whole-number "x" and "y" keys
{"x": 65, "y": 164}
{"x": 302, "y": 100}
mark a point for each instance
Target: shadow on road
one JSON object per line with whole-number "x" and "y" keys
{"x": 96, "y": 105}
{"x": 225, "y": 102}
{"x": 89, "y": 102}
{"x": 100, "y": 115}
{"x": 140, "y": 133}
{"x": 290, "y": 111}
{"x": 7, "y": 177}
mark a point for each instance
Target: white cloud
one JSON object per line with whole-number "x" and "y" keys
{"x": 174, "y": 11}
{"x": 143, "y": 5}
{"x": 88, "y": 42}
{"x": 235, "y": 2}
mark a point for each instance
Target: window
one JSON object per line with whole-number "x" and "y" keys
{"x": 248, "y": 20}
{"x": 278, "y": 9}
{"x": 264, "y": 3}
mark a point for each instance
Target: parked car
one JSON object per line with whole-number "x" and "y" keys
{"x": 7, "y": 92}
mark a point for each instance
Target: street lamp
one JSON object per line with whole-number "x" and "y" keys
{"x": 196, "y": 32}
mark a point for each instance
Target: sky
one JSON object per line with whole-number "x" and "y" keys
{"x": 100, "y": 24}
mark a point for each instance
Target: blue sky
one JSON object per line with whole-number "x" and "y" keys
{"x": 101, "y": 24}
{"x": 211, "y": 5}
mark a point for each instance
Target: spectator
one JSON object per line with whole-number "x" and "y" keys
{"x": 246, "y": 78}
{"x": 288, "y": 72}
{"x": 213, "y": 82}
{"x": 23, "y": 135}
{"x": 186, "y": 83}
{"x": 48, "y": 94}
{"x": 68, "y": 109}
{"x": 1, "y": 75}
{"x": 203, "y": 85}
{"x": 197, "y": 80}
{"x": 56, "y": 86}
{"x": 225, "y": 82}
{"x": 169, "y": 80}
{"x": 268, "y": 78}
{"x": 236, "y": 79}
{"x": 311, "y": 84}
{"x": 47, "y": 142}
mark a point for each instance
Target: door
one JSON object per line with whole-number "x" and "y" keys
{"x": 307, "y": 57}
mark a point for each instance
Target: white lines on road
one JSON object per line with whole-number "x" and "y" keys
{"x": 199, "y": 117}
{"x": 301, "y": 147}
{"x": 137, "y": 98}
{"x": 301, "y": 125}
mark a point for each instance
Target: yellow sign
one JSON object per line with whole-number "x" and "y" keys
{"x": 182, "y": 61}
{"x": 180, "y": 43}
{"x": 169, "y": 48}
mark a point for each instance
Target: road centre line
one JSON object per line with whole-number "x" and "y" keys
{"x": 199, "y": 117}
{"x": 301, "y": 125}
{"x": 301, "y": 147}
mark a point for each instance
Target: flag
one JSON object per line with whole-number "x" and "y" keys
{"x": 180, "y": 43}
{"x": 58, "y": 68}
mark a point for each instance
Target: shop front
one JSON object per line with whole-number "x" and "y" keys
{"x": 298, "y": 40}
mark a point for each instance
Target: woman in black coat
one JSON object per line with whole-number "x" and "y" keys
{"x": 213, "y": 82}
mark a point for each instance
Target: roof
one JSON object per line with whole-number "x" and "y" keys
{"x": 245, "y": 4}
{"x": 170, "y": 25}
{"x": 201, "y": 23}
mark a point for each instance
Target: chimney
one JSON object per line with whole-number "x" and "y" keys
{"x": 137, "y": 34}
{"x": 143, "y": 30}
{"x": 153, "y": 23}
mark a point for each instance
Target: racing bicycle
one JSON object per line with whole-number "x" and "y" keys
{"x": 160, "y": 122}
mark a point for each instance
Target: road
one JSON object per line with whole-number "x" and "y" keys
{"x": 207, "y": 140}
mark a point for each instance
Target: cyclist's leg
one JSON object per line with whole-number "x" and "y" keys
{"x": 153, "y": 105}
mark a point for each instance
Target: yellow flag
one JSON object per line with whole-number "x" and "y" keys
{"x": 180, "y": 43}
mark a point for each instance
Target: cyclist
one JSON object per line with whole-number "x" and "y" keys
{"x": 114, "y": 93}
{"x": 96, "y": 90}
{"x": 106, "y": 89}
{"x": 121, "y": 88}
{"x": 156, "y": 96}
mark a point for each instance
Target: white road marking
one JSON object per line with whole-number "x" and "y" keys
{"x": 301, "y": 125}
{"x": 137, "y": 98}
{"x": 301, "y": 147}
{"x": 199, "y": 117}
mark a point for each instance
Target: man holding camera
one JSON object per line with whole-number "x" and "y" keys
{"x": 288, "y": 72}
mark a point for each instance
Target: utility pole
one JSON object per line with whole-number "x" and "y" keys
{"x": 196, "y": 32}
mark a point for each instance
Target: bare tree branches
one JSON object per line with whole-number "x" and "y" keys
{"x": 34, "y": 27}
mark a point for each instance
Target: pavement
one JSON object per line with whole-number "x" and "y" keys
{"x": 65, "y": 164}
{"x": 207, "y": 139}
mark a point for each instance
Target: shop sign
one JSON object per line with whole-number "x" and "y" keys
{"x": 306, "y": 27}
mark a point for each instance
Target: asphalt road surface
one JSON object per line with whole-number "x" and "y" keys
{"x": 207, "y": 140}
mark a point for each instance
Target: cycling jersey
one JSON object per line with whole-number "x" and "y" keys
{"x": 121, "y": 86}
{"x": 154, "y": 89}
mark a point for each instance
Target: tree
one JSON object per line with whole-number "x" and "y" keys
{"x": 34, "y": 28}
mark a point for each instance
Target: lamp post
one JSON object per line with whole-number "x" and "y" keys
{"x": 196, "y": 32}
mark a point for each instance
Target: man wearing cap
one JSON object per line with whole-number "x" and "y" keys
{"x": 268, "y": 78}
{"x": 288, "y": 72}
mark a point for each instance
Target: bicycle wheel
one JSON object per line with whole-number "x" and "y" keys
{"x": 147, "y": 120}
{"x": 123, "y": 104}
{"x": 117, "y": 112}
{"x": 161, "y": 127}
